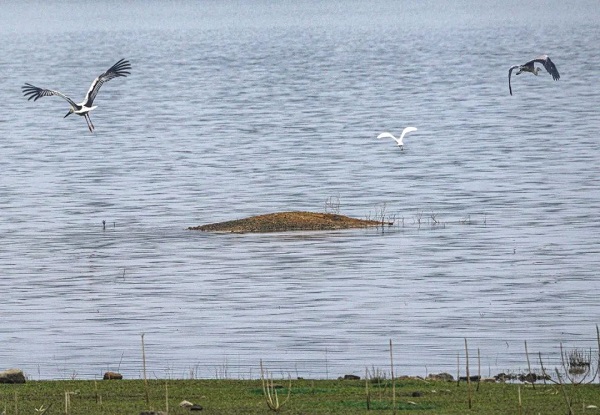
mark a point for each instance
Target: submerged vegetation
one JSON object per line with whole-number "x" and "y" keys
{"x": 330, "y": 220}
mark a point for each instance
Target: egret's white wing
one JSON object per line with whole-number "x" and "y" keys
{"x": 386, "y": 135}
{"x": 406, "y": 131}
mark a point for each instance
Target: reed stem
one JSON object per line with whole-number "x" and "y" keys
{"x": 392, "y": 374}
{"x": 529, "y": 366}
{"x": 144, "y": 371}
{"x": 469, "y": 397}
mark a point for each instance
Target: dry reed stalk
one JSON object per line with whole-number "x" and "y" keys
{"x": 457, "y": 369}
{"x": 144, "y": 371}
{"x": 469, "y": 397}
{"x": 96, "y": 391}
{"x": 529, "y": 366}
{"x": 478, "y": 369}
{"x": 326, "y": 365}
{"x": 68, "y": 401}
{"x": 166, "y": 397}
{"x": 40, "y": 411}
{"x": 367, "y": 388}
{"x": 392, "y": 374}
{"x": 270, "y": 392}
{"x": 544, "y": 373}
{"x": 520, "y": 404}
{"x": 562, "y": 387}
{"x": 598, "y": 362}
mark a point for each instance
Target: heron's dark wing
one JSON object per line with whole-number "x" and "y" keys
{"x": 549, "y": 65}
{"x": 528, "y": 66}
{"x": 509, "y": 74}
{"x": 36, "y": 93}
{"x": 121, "y": 68}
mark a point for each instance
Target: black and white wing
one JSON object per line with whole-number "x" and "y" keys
{"x": 121, "y": 68}
{"x": 36, "y": 93}
{"x": 509, "y": 74}
{"x": 549, "y": 65}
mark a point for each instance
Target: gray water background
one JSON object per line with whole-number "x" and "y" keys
{"x": 241, "y": 108}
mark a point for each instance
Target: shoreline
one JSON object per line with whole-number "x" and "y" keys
{"x": 276, "y": 393}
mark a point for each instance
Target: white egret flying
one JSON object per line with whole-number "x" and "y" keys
{"x": 399, "y": 141}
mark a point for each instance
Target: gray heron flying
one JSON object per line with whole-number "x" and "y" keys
{"x": 529, "y": 67}
{"x": 121, "y": 68}
{"x": 398, "y": 141}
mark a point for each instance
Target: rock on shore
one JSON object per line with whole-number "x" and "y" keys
{"x": 12, "y": 376}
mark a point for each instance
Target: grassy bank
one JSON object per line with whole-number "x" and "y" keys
{"x": 307, "y": 397}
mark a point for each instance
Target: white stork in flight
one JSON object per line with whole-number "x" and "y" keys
{"x": 529, "y": 67}
{"x": 121, "y": 68}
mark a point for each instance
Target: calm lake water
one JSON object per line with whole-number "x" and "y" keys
{"x": 239, "y": 108}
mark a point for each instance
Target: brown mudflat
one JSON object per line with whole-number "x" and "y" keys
{"x": 288, "y": 221}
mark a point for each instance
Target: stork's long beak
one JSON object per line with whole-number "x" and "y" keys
{"x": 68, "y": 113}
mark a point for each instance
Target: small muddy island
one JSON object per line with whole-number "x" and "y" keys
{"x": 288, "y": 221}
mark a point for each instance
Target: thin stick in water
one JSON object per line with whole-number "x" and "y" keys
{"x": 530, "y": 375}
{"x": 392, "y": 373}
{"x": 469, "y": 397}
{"x": 457, "y": 369}
{"x": 478, "y": 369}
{"x": 367, "y": 388}
{"x": 144, "y": 371}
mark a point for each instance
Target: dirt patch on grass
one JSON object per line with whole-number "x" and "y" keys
{"x": 288, "y": 221}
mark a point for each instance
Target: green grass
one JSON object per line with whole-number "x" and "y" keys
{"x": 307, "y": 397}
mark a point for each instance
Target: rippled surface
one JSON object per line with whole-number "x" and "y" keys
{"x": 235, "y": 109}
